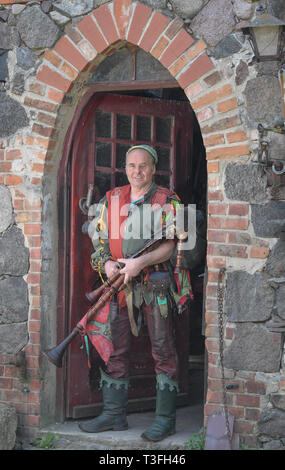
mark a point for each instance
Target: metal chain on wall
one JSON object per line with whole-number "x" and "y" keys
{"x": 220, "y": 298}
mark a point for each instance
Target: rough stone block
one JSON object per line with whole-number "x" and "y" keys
{"x": 58, "y": 18}
{"x": 158, "y": 4}
{"x": 268, "y": 219}
{"x": 6, "y": 211}
{"x": 214, "y": 22}
{"x": 253, "y": 348}
{"x": 278, "y": 400}
{"x": 278, "y": 8}
{"x": 272, "y": 423}
{"x": 248, "y": 297}
{"x": 187, "y": 9}
{"x": 245, "y": 182}
{"x": 36, "y": 28}
{"x": 273, "y": 444}
{"x": 3, "y": 66}
{"x": 241, "y": 73}
{"x": 17, "y": 8}
{"x": 5, "y": 36}
{"x": 12, "y": 115}
{"x": 280, "y": 302}
{"x": 26, "y": 59}
{"x": 8, "y": 426}
{"x": 14, "y": 304}
{"x": 13, "y": 337}
{"x": 242, "y": 9}
{"x": 275, "y": 265}
{"x": 227, "y": 47}
{"x": 18, "y": 82}
{"x": 258, "y": 93}
{"x": 73, "y": 8}
{"x": 4, "y": 14}
{"x": 14, "y": 256}
{"x": 46, "y": 6}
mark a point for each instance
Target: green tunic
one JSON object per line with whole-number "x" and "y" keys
{"x": 142, "y": 222}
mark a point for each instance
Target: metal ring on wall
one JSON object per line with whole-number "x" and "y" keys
{"x": 278, "y": 172}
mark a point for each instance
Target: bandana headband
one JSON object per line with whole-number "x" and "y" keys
{"x": 148, "y": 149}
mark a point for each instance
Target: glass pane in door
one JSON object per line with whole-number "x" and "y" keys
{"x": 144, "y": 128}
{"x": 163, "y": 158}
{"x": 121, "y": 179}
{"x": 103, "y": 152}
{"x": 124, "y": 126}
{"x": 121, "y": 150}
{"x": 163, "y": 129}
{"x": 103, "y": 124}
{"x": 102, "y": 182}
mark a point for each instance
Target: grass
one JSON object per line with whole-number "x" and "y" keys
{"x": 47, "y": 441}
{"x": 196, "y": 440}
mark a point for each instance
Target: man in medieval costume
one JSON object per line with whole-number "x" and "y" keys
{"x": 118, "y": 231}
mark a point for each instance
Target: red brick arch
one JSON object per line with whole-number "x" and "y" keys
{"x": 212, "y": 97}
{"x": 99, "y": 33}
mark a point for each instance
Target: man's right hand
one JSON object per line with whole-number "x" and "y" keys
{"x": 111, "y": 268}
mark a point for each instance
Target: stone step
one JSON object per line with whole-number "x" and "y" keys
{"x": 70, "y": 437}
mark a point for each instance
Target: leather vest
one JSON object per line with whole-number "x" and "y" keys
{"x": 118, "y": 212}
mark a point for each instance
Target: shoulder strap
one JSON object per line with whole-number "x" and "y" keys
{"x": 123, "y": 195}
{"x": 161, "y": 195}
{"x": 117, "y": 191}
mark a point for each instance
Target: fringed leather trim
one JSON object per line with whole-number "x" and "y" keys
{"x": 162, "y": 380}
{"x": 116, "y": 383}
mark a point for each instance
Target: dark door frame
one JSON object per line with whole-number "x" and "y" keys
{"x": 63, "y": 194}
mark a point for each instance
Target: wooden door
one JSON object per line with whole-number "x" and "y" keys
{"x": 109, "y": 125}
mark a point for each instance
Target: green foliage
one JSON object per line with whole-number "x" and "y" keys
{"x": 196, "y": 441}
{"x": 47, "y": 441}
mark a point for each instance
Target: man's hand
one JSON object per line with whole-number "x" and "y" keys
{"x": 111, "y": 268}
{"x": 132, "y": 268}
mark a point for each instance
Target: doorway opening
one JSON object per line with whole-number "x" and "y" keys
{"x": 112, "y": 122}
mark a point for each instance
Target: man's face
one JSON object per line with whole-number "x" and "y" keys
{"x": 139, "y": 169}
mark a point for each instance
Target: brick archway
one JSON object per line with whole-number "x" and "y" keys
{"x": 61, "y": 76}
{"x": 76, "y": 54}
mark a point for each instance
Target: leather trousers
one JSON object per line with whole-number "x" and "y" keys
{"x": 161, "y": 336}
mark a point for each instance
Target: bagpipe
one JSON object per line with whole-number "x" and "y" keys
{"x": 114, "y": 285}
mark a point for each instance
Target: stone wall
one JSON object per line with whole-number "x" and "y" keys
{"x": 47, "y": 52}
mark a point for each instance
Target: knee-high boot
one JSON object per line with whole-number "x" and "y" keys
{"x": 165, "y": 413}
{"x": 115, "y": 399}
